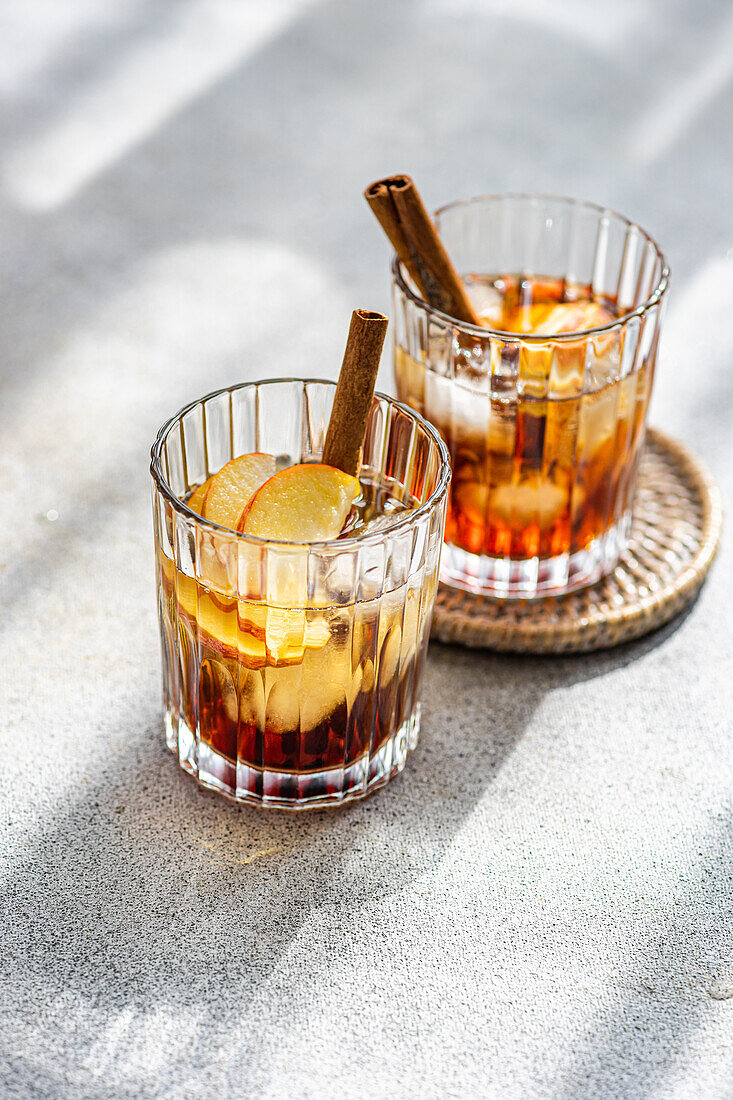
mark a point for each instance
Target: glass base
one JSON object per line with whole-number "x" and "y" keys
{"x": 532, "y": 578}
{"x": 313, "y": 790}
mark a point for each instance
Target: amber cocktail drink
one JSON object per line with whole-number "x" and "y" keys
{"x": 292, "y": 671}
{"x": 543, "y": 405}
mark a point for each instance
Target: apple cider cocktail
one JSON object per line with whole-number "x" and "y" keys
{"x": 542, "y": 395}
{"x": 294, "y": 598}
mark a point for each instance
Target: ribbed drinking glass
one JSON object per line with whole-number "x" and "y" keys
{"x": 544, "y": 430}
{"x": 292, "y": 673}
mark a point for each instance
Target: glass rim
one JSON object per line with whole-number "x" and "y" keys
{"x": 162, "y": 485}
{"x": 536, "y": 338}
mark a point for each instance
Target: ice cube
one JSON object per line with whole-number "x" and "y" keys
{"x": 538, "y": 501}
{"x": 569, "y": 317}
{"x": 282, "y": 713}
{"x": 252, "y": 699}
{"x": 217, "y": 690}
{"x": 389, "y": 657}
{"x": 486, "y": 299}
{"x": 597, "y": 426}
{"x": 380, "y": 523}
{"x": 470, "y": 415}
{"x": 325, "y": 679}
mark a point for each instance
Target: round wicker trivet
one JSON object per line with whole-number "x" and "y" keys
{"x": 677, "y": 518}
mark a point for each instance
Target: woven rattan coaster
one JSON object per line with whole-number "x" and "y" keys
{"x": 676, "y": 525}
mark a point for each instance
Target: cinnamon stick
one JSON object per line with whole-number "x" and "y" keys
{"x": 397, "y": 205}
{"x": 354, "y": 391}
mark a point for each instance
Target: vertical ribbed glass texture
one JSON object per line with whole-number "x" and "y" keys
{"x": 291, "y": 673}
{"x": 544, "y": 432}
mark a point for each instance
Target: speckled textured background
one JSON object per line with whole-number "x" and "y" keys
{"x": 541, "y": 905}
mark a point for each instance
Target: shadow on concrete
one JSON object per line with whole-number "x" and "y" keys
{"x": 144, "y": 889}
{"x": 264, "y": 152}
{"x": 676, "y": 974}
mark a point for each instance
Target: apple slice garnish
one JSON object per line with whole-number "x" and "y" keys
{"x": 232, "y": 488}
{"x": 252, "y": 633}
{"x": 307, "y": 503}
{"x": 299, "y": 504}
{"x": 196, "y": 501}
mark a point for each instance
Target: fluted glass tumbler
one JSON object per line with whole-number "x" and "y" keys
{"x": 292, "y": 673}
{"x": 543, "y": 407}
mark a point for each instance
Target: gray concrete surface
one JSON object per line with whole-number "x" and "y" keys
{"x": 541, "y": 905}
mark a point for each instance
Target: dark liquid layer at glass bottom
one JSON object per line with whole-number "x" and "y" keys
{"x": 535, "y": 577}
{"x": 305, "y": 790}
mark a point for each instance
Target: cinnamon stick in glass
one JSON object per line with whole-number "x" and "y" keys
{"x": 397, "y": 205}
{"x": 354, "y": 391}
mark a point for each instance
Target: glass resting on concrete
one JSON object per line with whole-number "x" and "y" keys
{"x": 292, "y": 673}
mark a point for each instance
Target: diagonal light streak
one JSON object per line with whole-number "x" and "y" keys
{"x": 34, "y": 33}
{"x": 680, "y": 103}
{"x": 138, "y": 93}
{"x": 573, "y": 19}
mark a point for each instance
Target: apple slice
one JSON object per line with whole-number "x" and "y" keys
{"x": 252, "y": 634}
{"x": 307, "y": 503}
{"x": 231, "y": 489}
{"x": 196, "y": 500}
